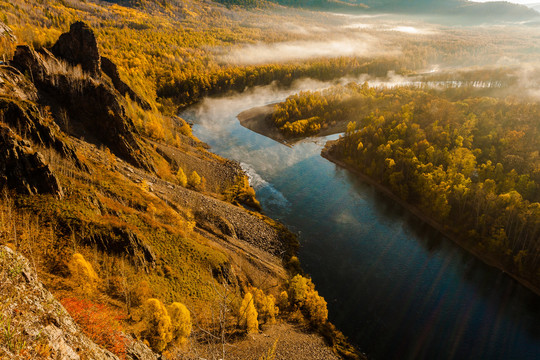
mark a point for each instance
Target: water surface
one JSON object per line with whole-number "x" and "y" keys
{"x": 394, "y": 286}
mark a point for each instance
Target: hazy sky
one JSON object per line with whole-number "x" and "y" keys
{"x": 524, "y": 2}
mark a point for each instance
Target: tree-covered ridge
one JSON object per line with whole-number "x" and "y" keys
{"x": 172, "y": 51}
{"x": 472, "y": 164}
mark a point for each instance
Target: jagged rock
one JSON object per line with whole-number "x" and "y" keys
{"x": 28, "y": 120}
{"x": 22, "y": 168}
{"x": 39, "y": 325}
{"x": 13, "y": 84}
{"x": 89, "y": 108}
{"x": 111, "y": 70}
{"x": 217, "y": 225}
{"x": 79, "y": 46}
{"x": 224, "y": 274}
{"x": 122, "y": 241}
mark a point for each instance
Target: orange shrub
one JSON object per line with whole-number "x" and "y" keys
{"x": 100, "y": 323}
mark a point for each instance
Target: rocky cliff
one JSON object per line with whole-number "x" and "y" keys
{"x": 85, "y": 103}
{"x": 34, "y": 325}
{"x": 24, "y": 169}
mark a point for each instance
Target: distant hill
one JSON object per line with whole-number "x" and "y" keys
{"x": 500, "y": 10}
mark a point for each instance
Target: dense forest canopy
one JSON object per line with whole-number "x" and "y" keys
{"x": 469, "y": 161}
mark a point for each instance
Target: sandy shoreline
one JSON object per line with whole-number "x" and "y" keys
{"x": 259, "y": 120}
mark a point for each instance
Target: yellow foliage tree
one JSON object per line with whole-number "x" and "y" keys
{"x": 194, "y": 180}
{"x": 159, "y": 329}
{"x": 181, "y": 321}
{"x": 265, "y": 305}
{"x": 83, "y": 274}
{"x": 248, "y": 314}
{"x": 303, "y": 295}
{"x": 298, "y": 289}
{"x": 315, "y": 306}
{"x": 181, "y": 177}
{"x": 283, "y": 300}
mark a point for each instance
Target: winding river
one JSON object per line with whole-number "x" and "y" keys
{"x": 394, "y": 286}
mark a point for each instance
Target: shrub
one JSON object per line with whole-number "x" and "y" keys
{"x": 100, "y": 323}
{"x": 141, "y": 292}
{"x": 181, "y": 321}
{"x": 248, "y": 314}
{"x": 283, "y": 300}
{"x": 83, "y": 274}
{"x": 159, "y": 330}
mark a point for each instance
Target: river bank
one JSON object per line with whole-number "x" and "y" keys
{"x": 443, "y": 229}
{"x": 258, "y": 119}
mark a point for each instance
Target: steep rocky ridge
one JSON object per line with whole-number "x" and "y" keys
{"x": 85, "y": 105}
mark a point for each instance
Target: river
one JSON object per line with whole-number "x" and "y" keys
{"x": 397, "y": 288}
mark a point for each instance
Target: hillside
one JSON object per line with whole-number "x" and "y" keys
{"x": 131, "y": 223}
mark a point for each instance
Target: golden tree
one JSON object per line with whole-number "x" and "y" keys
{"x": 248, "y": 314}
{"x": 181, "y": 321}
{"x": 194, "y": 180}
{"x": 159, "y": 329}
{"x": 83, "y": 274}
{"x": 181, "y": 177}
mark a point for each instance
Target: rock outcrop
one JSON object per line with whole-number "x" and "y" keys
{"x": 24, "y": 169}
{"x": 31, "y": 124}
{"x": 122, "y": 241}
{"x": 39, "y": 326}
{"x": 83, "y": 106}
{"x": 13, "y": 84}
{"x": 79, "y": 46}
{"x": 111, "y": 70}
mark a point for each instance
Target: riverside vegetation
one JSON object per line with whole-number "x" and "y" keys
{"x": 467, "y": 160}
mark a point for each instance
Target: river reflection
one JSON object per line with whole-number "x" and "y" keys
{"x": 394, "y": 286}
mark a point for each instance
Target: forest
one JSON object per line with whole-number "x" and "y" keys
{"x": 469, "y": 162}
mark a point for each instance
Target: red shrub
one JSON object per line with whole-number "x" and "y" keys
{"x": 100, "y": 323}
